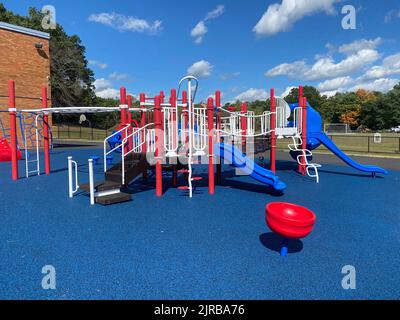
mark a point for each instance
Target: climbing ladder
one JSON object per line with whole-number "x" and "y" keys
{"x": 302, "y": 157}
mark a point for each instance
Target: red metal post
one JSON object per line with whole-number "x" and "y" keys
{"x": 122, "y": 93}
{"x": 46, "y": 132}
{"x": 158, "y": 126}
{"x": 218, "y": 105}
{"x": 243, "y": 125}
{"x": 13, "y": 129}
{"x": 273, "y": 134}
{"x": 301, "y": 100}
{"x": 123, "y": 102}
{"x": 142, "y": 99}
{"x": 185, "y": 123}
{"x": 129, "y": 121}
{"x": 173, "y": 102}
{"x": 210, "y": 118}
{"x": 304, "y": 131}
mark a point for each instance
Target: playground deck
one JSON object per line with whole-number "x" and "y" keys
{"x": 207, "y": 247}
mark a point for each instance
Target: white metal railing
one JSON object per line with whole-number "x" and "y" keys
{"x": 171, "y": 130}
{"x": 151, "y": 140}
{"x": 73, "y": 187}
{"x": 199, "y": 133}
{"x": 298, "y": 120}
{"x": 231, "y": 126}
{"x": 199, "y": 137}
{"x": 106, "y": 140}
{"x": 91, "y": 182}
{"x": 135, "y": 139}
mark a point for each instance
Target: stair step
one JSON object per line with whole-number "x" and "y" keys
{"x": 114, "y": 198}
{"x": 197, "y": 178}
{"x": 183, "y": 171}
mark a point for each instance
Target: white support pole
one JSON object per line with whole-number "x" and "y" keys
{"x": 91, "y": 181}
{"x": 70, "y": 187}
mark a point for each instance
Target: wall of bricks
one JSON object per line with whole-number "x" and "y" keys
{"x": 28, "y": 66}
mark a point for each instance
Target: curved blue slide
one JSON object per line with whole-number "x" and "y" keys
{"x": 316, "y": 137}
{"x": 239, "y": 160}
{"x": 328, "y": 143}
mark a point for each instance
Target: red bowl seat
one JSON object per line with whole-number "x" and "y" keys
{"x": 289, "y": 220}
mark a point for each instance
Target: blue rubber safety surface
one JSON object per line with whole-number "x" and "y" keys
{"x": 207, "y": 247}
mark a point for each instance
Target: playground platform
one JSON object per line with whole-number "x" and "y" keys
{"x": 207, "y": 247}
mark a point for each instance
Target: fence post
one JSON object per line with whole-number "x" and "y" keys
{"x": 368, "y": 143}
{"x": 92, "y": 132}
{"x": 68, "y": 131}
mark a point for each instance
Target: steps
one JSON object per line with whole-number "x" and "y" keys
{"x": 109, "y": 191}
{"x": 113, "y": 198}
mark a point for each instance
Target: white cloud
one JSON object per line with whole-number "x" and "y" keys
{"x": 325, "y": 67}
{"x": 356, "y": 46}
{"x": 291, "y": 70}
{"x": 391, "y": 15}
{"x": 252, "y": 95}
{"x": 115, "y": 76}
{"x": 198, "y": 32}
{"x": 104, "y": 89}
{"x": 219, "y": 10}
{"x": 335, "y": 84}
{"x": 98, "y": 64}
{"x": 382, "y": 85}
{"x": 200, "y": 69}
{"x": 330, "y": 93}
{"x": 229, "y": 75}
{"x": 109, "y": 93}
{"x": 281, "y": 17}
{"x": 200, "y": 29}
{"x": 101, "y": 84}
{"x": 121, "y": 22}
{"x": 390, "y": 66}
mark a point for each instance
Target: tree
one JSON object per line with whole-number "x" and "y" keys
{"x": 313, "y": 96}
{"x": 70, "y": 78}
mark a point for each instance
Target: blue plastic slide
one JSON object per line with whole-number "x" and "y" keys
{"x": 324, "y": 139}
{"x": 239, "y": 160}
{"x": 316, "y": 137}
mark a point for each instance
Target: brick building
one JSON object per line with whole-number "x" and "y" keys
{"x": 24, "y": 58}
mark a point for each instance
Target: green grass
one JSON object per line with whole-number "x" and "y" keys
{"x": 360, "y": 143}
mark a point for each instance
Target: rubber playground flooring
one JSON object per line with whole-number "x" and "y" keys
{"x": 207, "y": 247}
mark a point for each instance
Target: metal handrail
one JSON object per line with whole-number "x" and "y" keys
{"x": 136, "y": 131}
{"x": 116, "y": 147}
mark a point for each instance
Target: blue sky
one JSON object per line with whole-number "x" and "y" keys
{"x": 149, "y": 45}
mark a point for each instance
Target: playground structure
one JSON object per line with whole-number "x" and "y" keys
{"x": 175, "y": 135}
{"x": 31, "y": 133}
